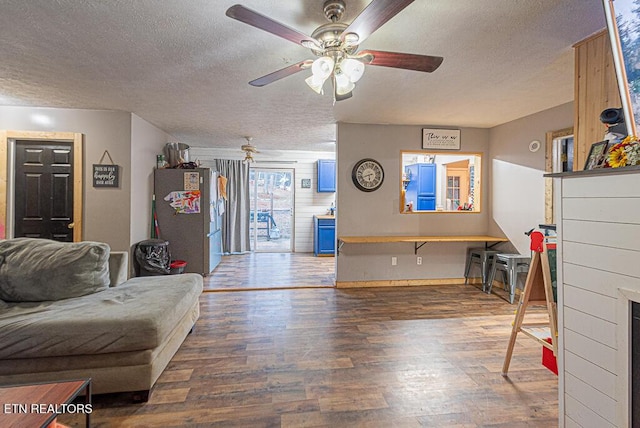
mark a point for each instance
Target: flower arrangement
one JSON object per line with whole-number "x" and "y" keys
{"x": 624, "y": 153}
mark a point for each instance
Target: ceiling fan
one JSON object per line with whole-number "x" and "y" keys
{"x": 249, "y": 150}
{"x": 336, "y": 46}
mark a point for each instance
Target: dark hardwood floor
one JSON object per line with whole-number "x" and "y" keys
{"x": 271, "y": 270}
{"x": 388, "y": 357}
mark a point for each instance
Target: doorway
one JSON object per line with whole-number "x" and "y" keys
{"x": 563, "y": 154}
{"x": 559, "y": 157}
{"x": 271, "y": 194}
{"x": 56, "y": 154}
{"x": 458, "y": 187}
{"x": 43, "y": 183}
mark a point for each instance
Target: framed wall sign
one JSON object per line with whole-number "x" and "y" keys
{"x": 440, "y": 139}
{"x": 305, "y": 183}
{"x": 106, "y": 175}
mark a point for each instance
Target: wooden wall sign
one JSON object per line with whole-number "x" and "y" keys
{"x": 440, "y": 139}
{"x": 105, "y": 175}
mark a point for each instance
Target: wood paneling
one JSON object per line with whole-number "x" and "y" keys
{"x": 598, "y": 258}
{"x": 601, "y": 403}
{"x": 582, "y": 416}
{"x": 591, "y": 326}
{"x": 614, "y": 186}
{"x": 596, "y": 89}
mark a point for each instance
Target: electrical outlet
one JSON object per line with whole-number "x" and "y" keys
{"x": 419, "y": 260}
{"x": 394, "y": 261}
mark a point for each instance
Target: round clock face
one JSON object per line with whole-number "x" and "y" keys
{"x": 367, "y": 175}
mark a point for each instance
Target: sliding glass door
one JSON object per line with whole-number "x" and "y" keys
{"x": 271, "y": 193}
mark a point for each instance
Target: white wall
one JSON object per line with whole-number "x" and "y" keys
{"x": 308, "y": 202}
{"x": 517, "y": 183}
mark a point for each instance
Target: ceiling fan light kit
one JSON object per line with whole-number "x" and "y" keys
{"x": 336, "y": 44}
{"x": 248, "y": 149}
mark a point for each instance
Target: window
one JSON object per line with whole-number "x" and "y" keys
{"x": 440, "y": 182}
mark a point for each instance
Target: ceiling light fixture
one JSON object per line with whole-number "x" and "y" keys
{"x": 321, "y": 69}
{"x": 335, "y": 44}
{"x": 248, "y": 150}
{"x": 346, "y": 72}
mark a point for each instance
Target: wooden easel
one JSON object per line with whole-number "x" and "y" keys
{"x": 537, "y": 291}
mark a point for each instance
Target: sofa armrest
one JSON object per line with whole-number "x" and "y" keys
{"x": 118, "y": 267}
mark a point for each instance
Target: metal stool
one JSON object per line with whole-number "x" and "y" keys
{"x": 510, "y": 265}
{"x": 483, "y": 258}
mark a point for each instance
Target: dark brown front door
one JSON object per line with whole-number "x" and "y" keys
{"x": 44, "y": 190}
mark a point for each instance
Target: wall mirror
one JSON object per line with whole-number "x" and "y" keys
{"x": 434, "y": 182}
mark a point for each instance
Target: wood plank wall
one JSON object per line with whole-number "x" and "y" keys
{"x": 596, "y": 89}
{"x": 600, "y": 253}
{"x": 308, "y": 202}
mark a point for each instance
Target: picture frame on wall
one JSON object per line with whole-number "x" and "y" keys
{"x": 597, "y": 155}
{"x": 440, "y": 139}
{"x": 623, "y": 24}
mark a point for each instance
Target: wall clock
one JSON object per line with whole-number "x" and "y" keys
{"x": 367, "y": 175}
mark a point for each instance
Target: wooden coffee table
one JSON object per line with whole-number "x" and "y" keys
{"x": 38, "y": 404}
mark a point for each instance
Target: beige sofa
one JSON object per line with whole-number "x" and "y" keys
{"x": 122, "y": 335}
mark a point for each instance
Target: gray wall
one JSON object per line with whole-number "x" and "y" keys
{"x": 147, "y": 141}
{"x": 517, "y": 174}
{"x": 378, "y": 213}
{"x": 108, "y": 213}
{"x": 512, "y": 197}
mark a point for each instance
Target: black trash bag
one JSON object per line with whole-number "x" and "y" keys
{"x": 153, "y": 257}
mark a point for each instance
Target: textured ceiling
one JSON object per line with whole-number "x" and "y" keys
{"x": 184, "y": 66}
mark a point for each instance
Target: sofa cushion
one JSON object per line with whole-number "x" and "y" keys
{"x": 137, "y": 315}
{"x": 36, "y": 270}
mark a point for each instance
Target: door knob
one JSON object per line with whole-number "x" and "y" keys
{"x": 70, "y": 225}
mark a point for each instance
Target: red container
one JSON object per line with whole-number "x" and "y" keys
{"x": 548, "y": 359}
{"x": 177, "y": 266}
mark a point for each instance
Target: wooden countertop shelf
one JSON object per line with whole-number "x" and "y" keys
{"x": 419, "y": 241}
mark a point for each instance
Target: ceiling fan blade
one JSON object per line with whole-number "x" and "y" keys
{"x": 282, "y": 73}
{"x": 406, "y": 61}
{"x": 373, "y": 17}
{"x": 267, "y": 24}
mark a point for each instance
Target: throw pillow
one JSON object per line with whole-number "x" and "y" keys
{"x": 36, "y": 270}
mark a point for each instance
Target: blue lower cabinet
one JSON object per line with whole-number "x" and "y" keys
{"x": 426, "y": 203}
{"x": 324, "y": 236}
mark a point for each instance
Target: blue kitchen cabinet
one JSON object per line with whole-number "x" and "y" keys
{"x": 324, "y": 235}
{"x": 421, "y": 188}
{"x": 326, "y": 175}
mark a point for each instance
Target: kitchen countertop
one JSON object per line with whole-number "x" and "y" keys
{"x": 325, "y": 216}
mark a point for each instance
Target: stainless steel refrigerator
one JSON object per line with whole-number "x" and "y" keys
{"x": 188, "y": 215}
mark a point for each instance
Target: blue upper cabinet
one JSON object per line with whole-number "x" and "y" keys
{"x": 326, "y": 175}
{"x": 427, "y": 180}
{"x": 421, "y": 189}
